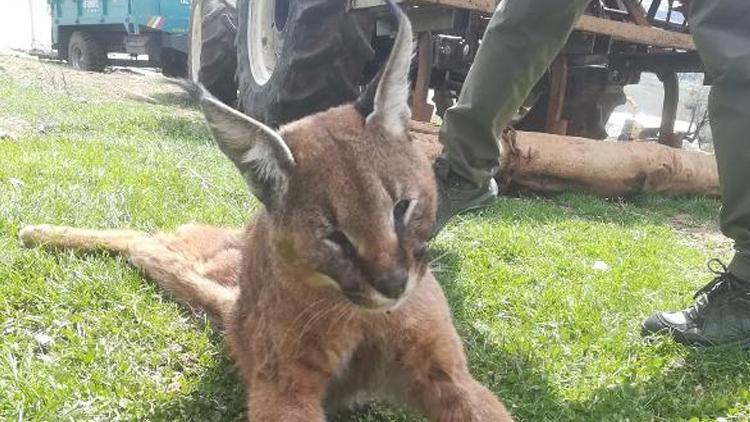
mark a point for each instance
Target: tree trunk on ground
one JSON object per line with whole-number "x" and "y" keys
{"x": 552, "y": 163}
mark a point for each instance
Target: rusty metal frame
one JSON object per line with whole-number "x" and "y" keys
{"x": 625, "y": 31}
{"x": 421, "y": 110}
{"x": 637, "y": 12}
{"x": 558, "y": 87}
{"x": 669, "y": 110}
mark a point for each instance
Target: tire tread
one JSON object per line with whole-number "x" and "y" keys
{"x": 321, "y": 64}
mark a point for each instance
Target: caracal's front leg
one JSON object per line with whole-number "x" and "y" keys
{"x": 435, "y": 375}
{"x": 270, "y": 400}
{"x": 287, "y": 356}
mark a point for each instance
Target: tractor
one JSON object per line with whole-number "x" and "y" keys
{"x": 279, "y": 60}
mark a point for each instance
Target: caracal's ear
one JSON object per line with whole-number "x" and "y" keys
{"x": 258, "y": 151}
{"x": 385, "y": 102}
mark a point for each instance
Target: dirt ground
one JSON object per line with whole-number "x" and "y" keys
{"x": 55, "y": 78}
{"x": 114, "y": 83}
{"x": 697, "y": 233}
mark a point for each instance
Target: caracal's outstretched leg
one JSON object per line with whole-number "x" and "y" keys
{"x": 199, "y": 264}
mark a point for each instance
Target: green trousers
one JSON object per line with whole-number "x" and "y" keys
{"x": 523, "y": 38}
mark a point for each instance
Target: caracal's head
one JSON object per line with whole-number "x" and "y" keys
{"x": 350, "y": 198}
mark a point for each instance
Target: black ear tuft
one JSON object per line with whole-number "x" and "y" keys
{"x": 365, "y": 103}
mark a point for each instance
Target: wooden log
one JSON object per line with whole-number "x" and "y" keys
{"x": 552, "y": 163}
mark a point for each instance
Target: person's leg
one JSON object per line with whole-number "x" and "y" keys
{"x": 521, "y": 41}
{"x": 721, "y": 29}
{"x": 722, "y": 312}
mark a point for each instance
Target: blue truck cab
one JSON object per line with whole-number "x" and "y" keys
{"x": 84, "y": 31}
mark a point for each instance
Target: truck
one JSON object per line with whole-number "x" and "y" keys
{"x": 85, "y": 31}
{"x": 295, "y": 57}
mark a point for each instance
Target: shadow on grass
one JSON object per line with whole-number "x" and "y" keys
{"x": 219, "y": 395}
{"x": 178, "y": 98}
{"x": 705, "y": 384}
{"x": 624, "y": 212}
{"x": 184, "y": 128}
{"x": 714, "y": 375}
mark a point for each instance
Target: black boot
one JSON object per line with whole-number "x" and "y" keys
{"x": 720, "y": 315}
{"x": 457, "y": 195}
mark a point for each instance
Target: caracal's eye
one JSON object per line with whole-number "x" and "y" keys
{"x": 402, "y": 211}
{"x": 339, "y": 241}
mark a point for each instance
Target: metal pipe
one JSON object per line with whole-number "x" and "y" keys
{"x": 669, "y": 109}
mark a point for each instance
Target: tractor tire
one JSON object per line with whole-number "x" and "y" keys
{"x": 212, "y": 56}
{"x": 173, "y": 63}
{"x": 298, "y": 57}
{"x": 85, "y": 52}
{"x": 589, "y": 103}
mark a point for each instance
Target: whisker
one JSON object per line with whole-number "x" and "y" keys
{"x": 437, "y": 258}
{"x": 320, "y": 315}
{"x": 283, "y": 340}
{"x": 346, "y": 311}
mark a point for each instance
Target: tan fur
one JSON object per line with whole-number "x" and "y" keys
{"x": 198, "y": 264}
{"x": 302, "y": 348}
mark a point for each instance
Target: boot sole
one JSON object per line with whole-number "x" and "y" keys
{"x": 678, "y": 337}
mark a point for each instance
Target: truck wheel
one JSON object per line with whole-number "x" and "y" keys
{"x": 173, "y": 63}
{"x": 86, "y": 53}
{"x": 212, "y": 57}
{"x": 297, "y": 57}
{"x": 589, "y": 102}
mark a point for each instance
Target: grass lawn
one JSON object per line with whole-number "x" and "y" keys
{"x": 547, "y": 293}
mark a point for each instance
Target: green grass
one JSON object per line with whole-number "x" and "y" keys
{"x": 86, "y": 337}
